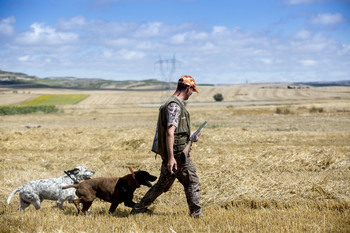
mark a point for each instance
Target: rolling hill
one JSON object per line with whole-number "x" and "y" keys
{"x": 20, "y": 80}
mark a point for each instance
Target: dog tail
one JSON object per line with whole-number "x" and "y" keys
{"x": 70, "y": 186}
{"x": 13, "y": 193}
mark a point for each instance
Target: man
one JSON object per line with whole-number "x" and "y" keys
{"x": 173, "y": 132}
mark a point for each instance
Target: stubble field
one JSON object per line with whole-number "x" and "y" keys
{"x": 259, "y": 171}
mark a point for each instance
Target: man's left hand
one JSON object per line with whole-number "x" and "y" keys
{"x": 197, "y": 137}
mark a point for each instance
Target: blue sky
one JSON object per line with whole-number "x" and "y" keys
{"x": 218, "y": 42}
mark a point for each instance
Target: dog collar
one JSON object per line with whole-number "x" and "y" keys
{"x": 133, "y": 176}
{"x": 74, "y": 180}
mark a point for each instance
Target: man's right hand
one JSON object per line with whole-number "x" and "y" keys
{"x": 172, "y": 165}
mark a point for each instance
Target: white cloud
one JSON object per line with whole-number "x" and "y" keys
{"x": 345, "y": 50}
{"x": 314, "y": 44}
{"x": 302, "y": 35}
{"x": 266, "y": 61}
{"x": 7, "y": 26}
{"x": 199, "y": 35}
{"x": 118, "y": 42}
{"x": 208, "y": 46}
{"x": 115, "y": 29}
{"x": 219, "y": 29}
{"x": 327, "y": 19}
{"x": 308, "y": 62}
{"x": 190, "y": 37}
{"x": 150, "y": 29}
{"x": 77, "y": 22}
{"x": 146, "y": 45}
{"x": 24, "y": 58}
{"x": 130, "y": 50}
{"x": 41, "y": 35}
{"x": 307, "y": 47}
{"x": 107, "y": 53}
{"x": 178, "y": 38}
{"x": 129, "y": 55}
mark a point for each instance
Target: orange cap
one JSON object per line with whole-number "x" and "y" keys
{"x": 189, "y": 81}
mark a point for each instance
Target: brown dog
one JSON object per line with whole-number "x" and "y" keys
{"x": 114, "y": 190}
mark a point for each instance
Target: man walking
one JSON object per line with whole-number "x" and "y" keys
{"x": 172, "y": 135}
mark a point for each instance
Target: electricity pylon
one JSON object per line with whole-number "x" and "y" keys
{"x": 167, "y": 68}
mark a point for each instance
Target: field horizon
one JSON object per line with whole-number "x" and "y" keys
{"x": 270, "y": 159}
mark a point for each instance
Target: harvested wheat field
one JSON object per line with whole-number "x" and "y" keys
{"x": 269, "y": 160}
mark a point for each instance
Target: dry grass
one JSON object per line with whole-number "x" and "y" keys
{"x": 260, "y": 171}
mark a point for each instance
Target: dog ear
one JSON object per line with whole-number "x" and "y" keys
{"x": 151, "y": 177}
{"x": 72, "y": 171}
{"x": 68, "y": 172}
{"x": 76, "y": 170}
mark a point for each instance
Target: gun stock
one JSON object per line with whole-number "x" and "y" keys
{"x": 186, "y": 151}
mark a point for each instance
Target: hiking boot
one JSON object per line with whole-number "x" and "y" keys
{"x": 197, "y": 214}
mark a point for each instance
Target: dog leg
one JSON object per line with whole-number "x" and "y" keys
{"x": 113, "y": 207}
{"x": 86, "y": 206}
{"x": 129, "y": 203}
{"x": 36, "y": 202}
{"x": 23, "y": 205}
{"x": 30, "y": 197}
{"x": 76, "y": 203}
{"x": 60, "y": 204}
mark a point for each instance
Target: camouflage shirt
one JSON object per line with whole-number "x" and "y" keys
{"x": 173, "y": 114}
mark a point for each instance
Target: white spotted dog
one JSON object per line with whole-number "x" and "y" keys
{"x": 34, "y": 192}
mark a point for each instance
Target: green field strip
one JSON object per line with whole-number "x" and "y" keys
{"x": 66, "y": 99}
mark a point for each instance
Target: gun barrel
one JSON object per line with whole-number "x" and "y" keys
{"x": 197, "y": 131}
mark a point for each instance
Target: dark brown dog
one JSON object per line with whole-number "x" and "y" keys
{"x": 114, "y": 190}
